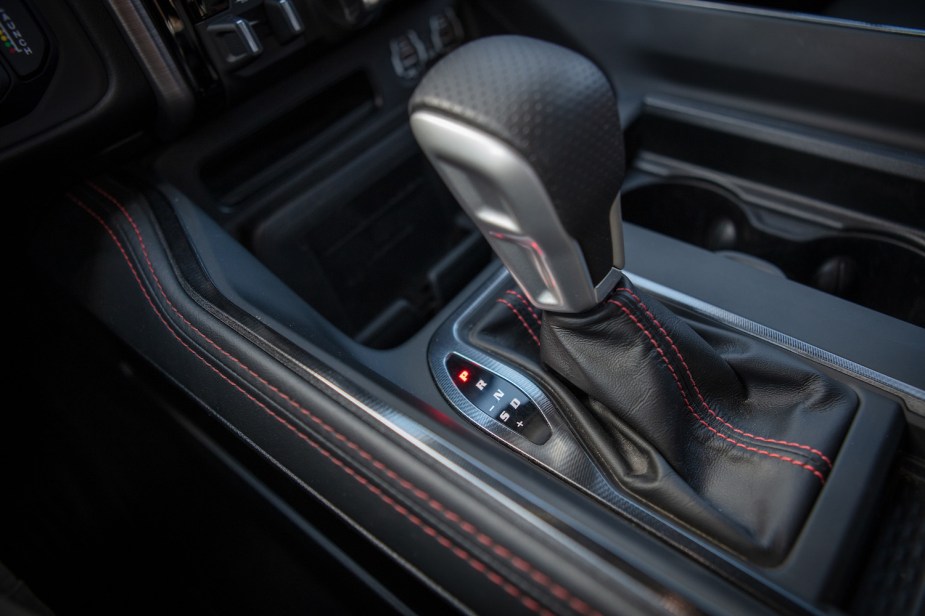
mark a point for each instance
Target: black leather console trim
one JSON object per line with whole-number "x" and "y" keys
{"x": 467, "y": 541}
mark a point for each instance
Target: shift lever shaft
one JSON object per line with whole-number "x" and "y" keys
{"x": 527, "y": 136}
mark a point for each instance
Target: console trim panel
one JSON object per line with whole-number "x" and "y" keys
{"x": 813, "y": 565}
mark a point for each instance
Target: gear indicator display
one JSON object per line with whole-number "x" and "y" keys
{"x": 498, "y": 398}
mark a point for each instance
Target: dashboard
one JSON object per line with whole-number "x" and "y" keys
{"x": 257, "y": 316}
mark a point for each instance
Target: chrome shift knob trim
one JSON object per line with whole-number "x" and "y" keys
{"x": 502, "y": 193}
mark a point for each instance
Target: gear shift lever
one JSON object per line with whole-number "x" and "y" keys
{"x": 527, "y": 136}
{"x": 729, "y": 436}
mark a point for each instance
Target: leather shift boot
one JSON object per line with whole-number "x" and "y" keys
{"x": 728, "y": 435}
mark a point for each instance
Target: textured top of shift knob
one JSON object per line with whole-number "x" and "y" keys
{"x": 554, "y": 107}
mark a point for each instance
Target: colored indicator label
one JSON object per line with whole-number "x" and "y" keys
{"x": 22, "y": 38}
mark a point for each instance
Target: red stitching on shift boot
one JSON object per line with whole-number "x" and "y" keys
{"x": 520, "y": 318}
{"x": 703, "y": 402}
{"x": 700, "y": 419}
{"x": 535, "y": 574}
{"x": 526, "y": 304}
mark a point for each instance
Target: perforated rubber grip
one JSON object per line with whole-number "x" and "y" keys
{"x": 557, "y": 110}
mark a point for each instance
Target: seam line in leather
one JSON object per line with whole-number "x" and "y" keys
{"x": 526, "y": 303}
{"x": 655, "y": 322}
{"x": 714, "y": 431}
{"x": 520, "y": 318}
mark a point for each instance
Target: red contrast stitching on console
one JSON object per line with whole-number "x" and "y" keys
{"x": 703, "y": 402}
{"x": 520, "y": 318}
{"x": 700, "y": 419}
{"x": 526, "y": 303}
{"x": 522, "y": 565}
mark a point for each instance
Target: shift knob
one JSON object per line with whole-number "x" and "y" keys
{"x": 526, "y": 135}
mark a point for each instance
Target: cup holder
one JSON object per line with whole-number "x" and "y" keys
{"x": 884, "y": 273}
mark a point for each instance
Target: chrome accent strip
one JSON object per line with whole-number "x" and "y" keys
{"x": 244, "y": 28}
{"x": 295, "y": 22}
{"x": 505, "y": 198}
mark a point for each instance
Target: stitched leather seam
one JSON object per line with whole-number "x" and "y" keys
{"x": 557, "y": 590}
{"x": 520, "y": 318}
{"x": 703, "y": 401}
{"x": 700, "y": 419}
{"x": 526, "y": 303}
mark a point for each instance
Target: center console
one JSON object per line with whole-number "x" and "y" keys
{"x": 290, "y": 257}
